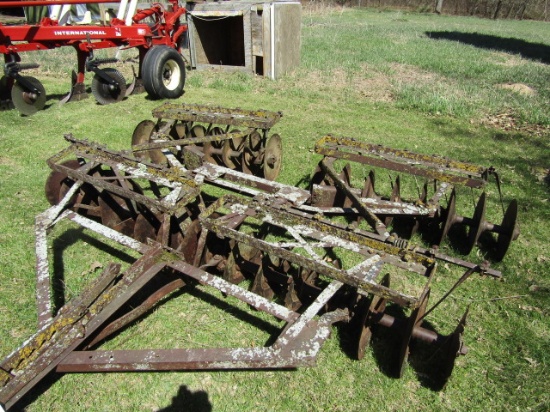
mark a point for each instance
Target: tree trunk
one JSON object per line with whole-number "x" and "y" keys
{"x": 522, "y": 11}
{"x": 438, "y": 6}
{"x": 497, "y": 9}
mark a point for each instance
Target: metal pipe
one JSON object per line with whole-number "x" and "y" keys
{"x": 122, "y": 9}
{"x": 419, "y": 332}
{"x": 131, "y": 11}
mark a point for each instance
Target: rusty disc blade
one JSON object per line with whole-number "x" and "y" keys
{"x": 251, "y": 153}
{"x": 146, "y": 227}
{"x": 156, "y": 155}
{"x": 450, "y": 218}
{"x": 229, "y": 148}
{"x": 56, "y": 180}
{"x": 207, "y": 149}
{"x": 261, "y": 286}
{"x": 477, "y": 226}
{"x": 273, "y": 157}
{"x": 369, "y": 318}
{"x": 452, "y": 348}
{"x": 117, "y": 212}
{"x": 509, "y": 230}
{"x": 198, "y": 131}
{"x": 414, "y": 320}
{"x": 179, "y": 131}
{"x": 189, "y": 244}
{"x": 142, "y": 135}
{"x": 216, "y": 131}
{"x": 231, "y": 271}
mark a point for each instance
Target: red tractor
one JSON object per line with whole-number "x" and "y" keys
{"x": 156, "y": 32}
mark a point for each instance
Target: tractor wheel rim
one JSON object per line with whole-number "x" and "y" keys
{"x": 171, "y": 75}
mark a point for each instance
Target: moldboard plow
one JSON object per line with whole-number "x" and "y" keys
{"x": 156, "y": 32}
{"x": 307, "y": 258}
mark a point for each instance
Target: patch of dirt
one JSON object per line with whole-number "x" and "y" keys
{"x": 507, "y": 122}
{"x": 505, "y": 59}
{"x": 370, "y": 84}
{"x": 4, "y": 161}
{"x": 379, "y": 86}
{"x": 543, "y": 175}
{"x": 404, "y": 73}
{"x": 519, "y": 88}
{"x": 373, "y": 86}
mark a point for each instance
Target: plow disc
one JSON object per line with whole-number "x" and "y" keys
{"x": 111, "y": 89}
{"x": 28, "y": 95}
{"x": 283, "y": 251}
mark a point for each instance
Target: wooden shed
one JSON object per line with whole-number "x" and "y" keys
{"x": 261, "y": 38}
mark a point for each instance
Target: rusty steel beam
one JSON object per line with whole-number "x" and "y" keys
{"x": 261, "y": 119}
{"x": 39, "y": 356}
{"x": 433, "y": 167}
{"x": 301, "y": 351}
{"x": 324, "y": 196}
{"x": 163, "y": 140}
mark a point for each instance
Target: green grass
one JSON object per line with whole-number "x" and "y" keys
{"x": 374, "y": 76}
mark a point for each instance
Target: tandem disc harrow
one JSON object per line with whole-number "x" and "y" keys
{"x": 276, "y": 248}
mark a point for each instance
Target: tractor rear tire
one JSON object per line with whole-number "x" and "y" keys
{"x": 163, "y": 73}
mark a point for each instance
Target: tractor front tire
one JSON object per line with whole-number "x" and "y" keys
{"x": 163, "y": 73}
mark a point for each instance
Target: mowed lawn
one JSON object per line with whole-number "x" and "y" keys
{"x": 471, "y": 89}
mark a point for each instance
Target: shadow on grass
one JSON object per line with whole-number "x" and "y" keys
{"x": 185, "y": 400}
{"x": 534, "y": 51}
{"x": 62, "y": 243}
{"x": 36, "y": 392}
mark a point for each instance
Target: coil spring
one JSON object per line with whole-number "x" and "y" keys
{"x": 401, "y": 243}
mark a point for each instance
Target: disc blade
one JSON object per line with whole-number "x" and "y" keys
{"x": 451, "y": 214}
{"x": 477, "y": 225}
{"x": 56, "y": 180}
{"x": 414, "y": 320}
{"x": 106, "y": 93}
{"x": 369, "y": 318}
{"x": 26, "y": 101}
{"x": 142, "y": 135}
{"x": 509, "y": 230}
{"x": 273, "y": 157}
